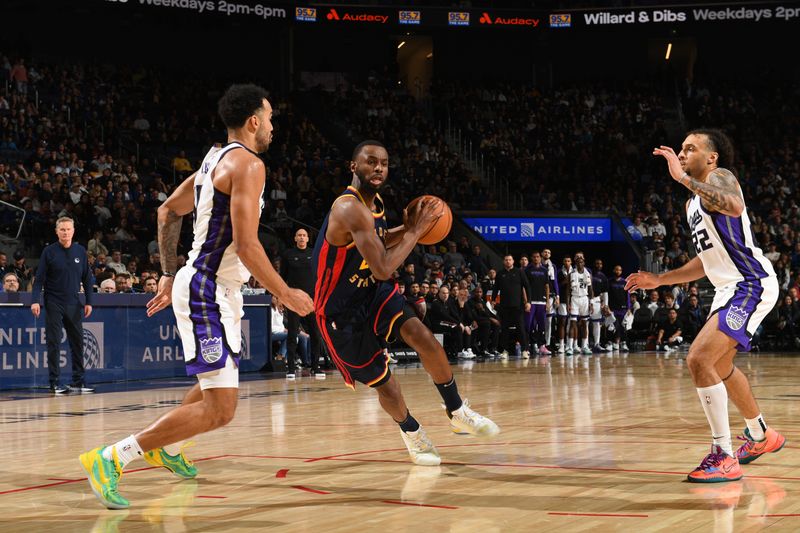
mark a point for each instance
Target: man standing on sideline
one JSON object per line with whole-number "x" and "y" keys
{"x": 226, "y": 195}
{"x": 619, "y": 301}
{"x": 512, "y": 291}
{"x": 63, "y": 267}
{"x": 297, "y": 270}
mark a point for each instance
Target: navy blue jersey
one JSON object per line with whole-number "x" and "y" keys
{"x": 538, "y": 279}
{"x": 344, "y": 282}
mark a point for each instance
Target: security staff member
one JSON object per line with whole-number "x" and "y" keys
{"x": 512, "y": 289}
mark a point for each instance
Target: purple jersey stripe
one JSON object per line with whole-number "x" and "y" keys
{"x": 219, "y": 236}
{"x": 731, "y": 232}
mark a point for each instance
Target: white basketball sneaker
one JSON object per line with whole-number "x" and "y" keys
{"x": 420, "y": 448}
{"x": 465, "y": 421}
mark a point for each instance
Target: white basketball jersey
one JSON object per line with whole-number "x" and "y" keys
{"x": 726, "y": 247}
{"x": 580, "y": 282}
{"x": 212, "y": 250}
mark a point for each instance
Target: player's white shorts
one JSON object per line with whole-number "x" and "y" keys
{"x": 742, "y": 306}
{"x": 208, "y": 314}
{"x": 562, "y": 309}
{"x": 579, "y": 307}
{"x": 596, "y": 314}
{"x": 551, "y": 307}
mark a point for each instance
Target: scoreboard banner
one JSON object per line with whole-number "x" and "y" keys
{"x": 486, "y": 18}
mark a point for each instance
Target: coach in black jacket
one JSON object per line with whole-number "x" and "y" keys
{"x": 63, "y": 267}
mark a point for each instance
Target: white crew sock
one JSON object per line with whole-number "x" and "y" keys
{"x": 585, "y": 342}
{"x": 714, "y": 400}
{"x": 596, "y": 332}
{"x": 757, "y": 427}
{"x": 127, "y": 450}
{"x": 548, "y": 331}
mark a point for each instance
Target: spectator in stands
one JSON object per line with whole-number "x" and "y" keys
{"x": 453, "y": 258}
{"x": 10, "y": 282}
{"x": 489, "y": 285}
{"x": 477, "y": 263}
{"x": 4, "y": 264}
{"x": 280, "y": 334}
{"x": 116, "y": 262}
{"x": 445, "y": 320}
{"x": 124, "y": 283}
{"x": 463, "y": 310}
{"x": 109, "y": 286}
{"x": 150, "y": 286}
{"x": 788, "y": 318}
{"x": 181, "y": 164}
{"x": 486, "y": 336}
{"x": 692, "y": 318}
{"x": 653, "y": 302}
{"x": 430, "y": 256}
{"x": 23, "y": 271}
{"x": 670, "y": 334}
{"x": 96, "y": 245}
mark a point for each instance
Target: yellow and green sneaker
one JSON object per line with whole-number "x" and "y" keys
{"x": 177, "y": 464}
{"x": 103, "y": 475}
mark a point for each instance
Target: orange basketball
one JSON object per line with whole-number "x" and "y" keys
{"x": 441, "y": 227}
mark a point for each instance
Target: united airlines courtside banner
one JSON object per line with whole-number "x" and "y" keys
{"x": 119, "y": 341}
{"x": 543, "y": 229}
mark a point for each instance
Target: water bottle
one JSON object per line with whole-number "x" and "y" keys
{"x": 518, "y": 350}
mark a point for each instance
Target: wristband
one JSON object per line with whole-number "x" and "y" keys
{"x": 168, "y": 274}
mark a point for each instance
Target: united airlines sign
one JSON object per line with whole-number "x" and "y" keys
{"x": 542, "y": 229}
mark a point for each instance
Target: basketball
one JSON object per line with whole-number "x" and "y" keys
{"x": 441, "y": 227}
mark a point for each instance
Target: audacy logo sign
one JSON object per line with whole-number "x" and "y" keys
{"x": 486, "y": 18}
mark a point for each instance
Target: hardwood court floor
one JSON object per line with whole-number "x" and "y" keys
{"x": 598, "y": 443}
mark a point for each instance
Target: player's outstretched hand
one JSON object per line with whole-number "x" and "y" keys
{"x": 673, "y": 163}
{"x": 163, "y": 297}
{"x": 641, "y": 280}
{"x": 425, "y": 214}
{"x": 298, "y": 301}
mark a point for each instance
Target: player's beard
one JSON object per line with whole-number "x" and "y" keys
{"x": 367, "y": 184}
{"x": 263, "y": 140}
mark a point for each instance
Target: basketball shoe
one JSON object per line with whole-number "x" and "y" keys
{"x": 465, "y": 421}
{"x": 717, "y": 467}
{"x": 103, "y": 476}
{"x": 177, "y": 464}
{"x": 752, "y": 449}
{"x": 420, "y": 448}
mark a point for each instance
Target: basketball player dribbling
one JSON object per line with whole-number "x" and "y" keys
{"x": 359, "y": 309}
{"x": 226, "y": 194}
{"x": 746, "y": 289}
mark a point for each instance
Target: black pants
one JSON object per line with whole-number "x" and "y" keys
{"x": 69, "y": 317}
{"x": 309, "y": 323}
{"x": 512, "y": 321}
{"x": 486, "y": 336}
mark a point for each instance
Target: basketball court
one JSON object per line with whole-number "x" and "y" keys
{"x": 587, "y": 443}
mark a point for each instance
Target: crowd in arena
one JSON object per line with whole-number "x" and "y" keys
{"x": 67, "y": 142}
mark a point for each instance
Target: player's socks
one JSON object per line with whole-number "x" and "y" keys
{"x": 548, "y": 330}
{"x": 410, "y": 423}
{"x": 715, "y": 404}
{"x": 596, "y": 332}
{"x": 127, "y": 450}
{"x": 450, "y": 396}
{"x": 757, "y": 427}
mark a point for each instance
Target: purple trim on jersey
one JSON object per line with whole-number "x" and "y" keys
{"x": 219, "y": 236}
{"x": 209, "y": 333}
{"x": 732, "y": 237}
{"x": 735, "y": 314}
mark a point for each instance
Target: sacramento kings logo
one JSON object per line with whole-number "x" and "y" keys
{"x": 211, "y": 349}
{"x": 92, "y": 354}
{"x": 736, "y": 317}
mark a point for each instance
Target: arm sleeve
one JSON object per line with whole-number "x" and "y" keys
{"x": 41, "y": 277}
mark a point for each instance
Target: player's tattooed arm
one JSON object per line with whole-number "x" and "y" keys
{"x": 170, "y": 215}
{"x": 719, "y": 193}
{"x": 169, "y": 232}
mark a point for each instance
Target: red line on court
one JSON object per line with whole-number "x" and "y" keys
{"x": 315, "y": 491}
{"x": 602, "y": 514}
{"x": 58, "y": 479}
{"x": 282, "y": 472}
{"x": 419, "y": 504}
{"x": 772, "y": 515}
{"x": 216, "y": 497}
